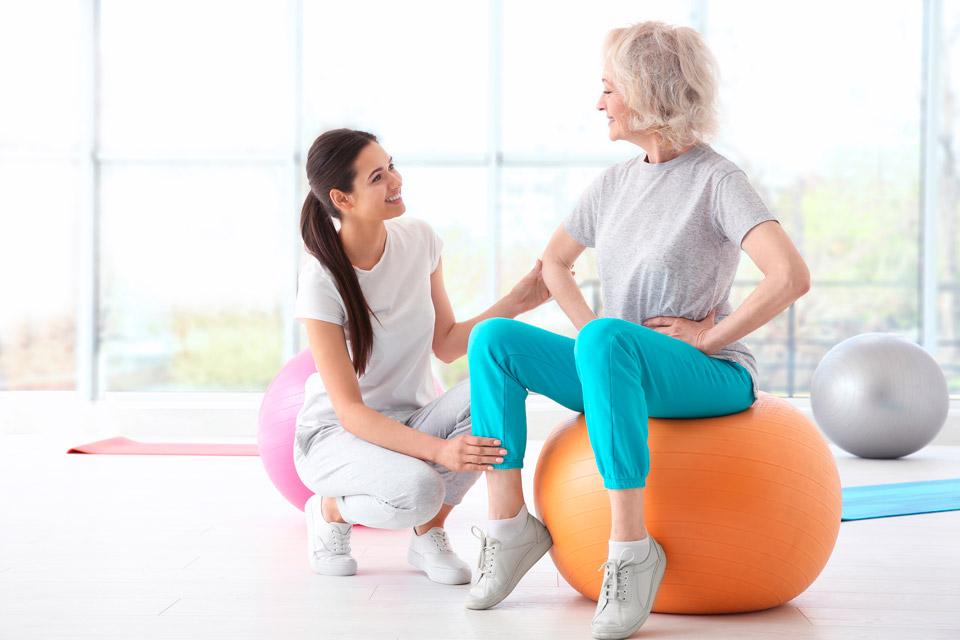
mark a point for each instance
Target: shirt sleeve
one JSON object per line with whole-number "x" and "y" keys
{"x": 317, "y": 295}
{"x": 739, "y": 207}
{"x": 435, "y": 247}
{"x": 581, "y": 224}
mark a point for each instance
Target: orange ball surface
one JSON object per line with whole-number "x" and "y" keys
{"x": 746, "y": 507}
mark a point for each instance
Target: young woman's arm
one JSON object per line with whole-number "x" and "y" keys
{"x": 558, "y": 259}
{"x": 329, "y": 348}
{"x": 450, "y": 337}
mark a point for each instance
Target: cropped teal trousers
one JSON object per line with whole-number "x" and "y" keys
{"x": 616, "y": 372}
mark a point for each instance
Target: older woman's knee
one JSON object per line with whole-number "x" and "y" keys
{"x": 491, "y": 333}
{"x": 603, "y": 340}
{"x": 597, "y": 337}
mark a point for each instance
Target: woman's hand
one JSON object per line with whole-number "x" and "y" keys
{"x": 470, "y": 453}
{"x": 690, "y": 331}
{"x": 531, "y": 291}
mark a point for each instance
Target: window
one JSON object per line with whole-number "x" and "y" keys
{"x": 157, "y": 150}
{"x": 842, "y": 174}
{"x": 43, "y": 133}
{"x": 195, "y": 194}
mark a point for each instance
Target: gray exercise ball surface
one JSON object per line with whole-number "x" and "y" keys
{"x": 878, "y": 395}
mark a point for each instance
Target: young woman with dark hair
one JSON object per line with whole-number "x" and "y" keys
{"x": 373, "y": 441}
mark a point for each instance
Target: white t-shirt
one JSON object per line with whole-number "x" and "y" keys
{"x": 398, "y": 375}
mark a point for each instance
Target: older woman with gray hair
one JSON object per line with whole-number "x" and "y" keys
{"x": 667, "y": 226}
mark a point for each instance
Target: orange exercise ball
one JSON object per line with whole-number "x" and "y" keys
{"x": 746, "y": 507}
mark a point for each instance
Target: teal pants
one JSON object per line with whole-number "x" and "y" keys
{"x": 616, "y": 372}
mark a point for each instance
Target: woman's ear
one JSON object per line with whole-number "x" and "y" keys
{"x": 342, "y": 201}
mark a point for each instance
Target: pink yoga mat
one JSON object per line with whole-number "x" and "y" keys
{"x": 132, "y": 447}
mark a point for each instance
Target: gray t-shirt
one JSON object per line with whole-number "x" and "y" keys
{"x": 668, "y": 236}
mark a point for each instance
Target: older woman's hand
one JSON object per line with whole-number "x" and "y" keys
{"x": 690, "y": 331}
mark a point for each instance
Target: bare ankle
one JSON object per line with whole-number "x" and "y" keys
{"x": 328, "y": 507}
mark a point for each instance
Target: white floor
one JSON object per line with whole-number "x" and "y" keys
{"x": 204, "y": 547}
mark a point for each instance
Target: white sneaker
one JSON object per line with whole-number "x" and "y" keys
{"x": 433, "y": 554}
{"x": 328, "y": 543}
{"x": 503, "y": 562}
{"x": 627, "y": 593}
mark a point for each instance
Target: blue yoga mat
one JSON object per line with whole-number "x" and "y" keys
{"x": 900, "y": 499}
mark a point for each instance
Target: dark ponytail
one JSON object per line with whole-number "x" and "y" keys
{"x": 330, "y": 166}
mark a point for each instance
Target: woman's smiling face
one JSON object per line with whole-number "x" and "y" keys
{"x": 611, "y": 101}
{"x": 376, "y": 187}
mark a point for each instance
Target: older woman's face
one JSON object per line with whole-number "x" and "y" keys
{"x": 611, "y": 101}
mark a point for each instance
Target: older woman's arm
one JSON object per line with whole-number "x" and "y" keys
{"x": 558, "y": 259}
{"x": 786, "y": 278}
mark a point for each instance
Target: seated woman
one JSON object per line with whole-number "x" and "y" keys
{"x": 668, "y": 226}
{"x": 373, "y": 441}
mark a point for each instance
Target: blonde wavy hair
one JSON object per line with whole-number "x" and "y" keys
{"x": 668, "y": 78}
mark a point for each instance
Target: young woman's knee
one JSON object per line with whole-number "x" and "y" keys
{"x": 422, "y": 500}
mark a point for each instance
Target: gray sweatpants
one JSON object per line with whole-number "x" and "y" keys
{"x": 378, "y": 487}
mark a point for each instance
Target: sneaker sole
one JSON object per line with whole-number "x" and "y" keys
{"x": 345, "y": 569}
{"x": 626, "y": 633}
{"x": 526, "y": 562}
{"x": 441, "y": 575}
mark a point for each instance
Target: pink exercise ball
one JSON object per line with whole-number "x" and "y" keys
{"x": 278, "y": 424}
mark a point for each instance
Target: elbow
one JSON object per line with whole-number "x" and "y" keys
{"x": 444, "y": 358}
{"x": 551, "y": 261}
{"x": 797, "y": 282}
{"x": 349, "y": 415}
{"x": 442, "y": 354}
{"x": 440, "y": 343}
{"x": 552, "y": 271}
{"x": 801, "y": 280}
{"x": 791, "y": 285}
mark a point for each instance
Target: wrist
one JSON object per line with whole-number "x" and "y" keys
{"x": 513, "y": 305}
{"x": 708, "y": 342}
{"x": 436, "y": 446}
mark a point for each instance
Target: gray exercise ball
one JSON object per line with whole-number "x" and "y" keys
{"x": 878, "y": 395}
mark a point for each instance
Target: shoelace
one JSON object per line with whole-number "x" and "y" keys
{"x": 615, "y": 575}
{"x": 440, "y": 540}
{"x": 488, "y": 549}
{"x": 338, "y": 542}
